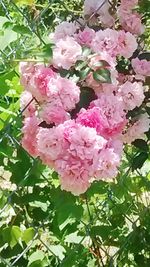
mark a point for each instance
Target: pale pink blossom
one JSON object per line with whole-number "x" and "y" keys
{"x": 72, "y": 149}
{"x": 114, "y": 43}
{"x": 107, "y": 165}
{"x": 94, "y": 6}
{"x": 128, "y": 4}
{"x": 35, "y": 78}
{"x": 64, "y": 91}
{"x": 66, "y": 52}
{"x": 85, "y": 143}
{"x": 29, "y": 139}
{"x": 74, "y": 177}
{"x": 132, "y": 23}
{"x": 39, "y": 82}
{"x": 51, "y": 142}
{"x": 100, "y": 8}
{"x": 141, "y": 67}
{"x": 85, "y": 37}
{"x": 132, "y": 94}
{"x": 106, "y": 41}
{"x": 76, "y": 167}
{"x": 27, "y": 104}
{"x": 137, "y": 130}
{"x": 122, "y": 78}
{"x": 127, "y": 44}
{"x": 112, "y": 112}
{"x": 64, "y": 29}
{"x": 53, "y": 112}
{"x": 116, "y": 144}
{"x": 91, "y": 118}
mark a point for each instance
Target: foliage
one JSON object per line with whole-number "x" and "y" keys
{"x": 40, "y": 225}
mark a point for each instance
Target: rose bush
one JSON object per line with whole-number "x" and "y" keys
{"x": 99, "y": 55}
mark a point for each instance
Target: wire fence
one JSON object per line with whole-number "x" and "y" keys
{"x": 94, "y": 243}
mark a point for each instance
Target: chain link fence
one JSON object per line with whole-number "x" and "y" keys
{"x": 112, "y": 223}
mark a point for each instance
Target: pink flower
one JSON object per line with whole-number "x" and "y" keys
{"x": 39, "y": 82}
{"x": 30, "y": 131}
{"x": 101, "y": 8}
{"x": 74, "y": 177}
{"x": 111, "y": 110}
{"x": 76, "y": 165}
{"x": 107, "y": 165}
{"x": 114, "y": 43}
{"x": 53, "y": 112}
{"x": 127, "y": 44}
{"x": 106, "y": 41}
{"x": 137, "y": 130}
{"x": 63, "y": 30}
{"x": 35, "y": 79}
{"x": 85, "y": 37}
{"x": 132, "y": 23}
{"x": 128, "y": 4}
{"x": 51, "y": 143}
{"x": 116, "y": 144}
{"x": 66, "y": 53}
{"x": 93, "y": 6}
{"x": 84, "y": 142}
{"x": 132, "y": 94}
{"x": 64, "y": 91}
{"x": 27, "y": 104}
{"x": 141, "y": 67}
{"x": 71, "y": 148}
{"x": 122, "y": 78}
{"x": 91, "y": 118}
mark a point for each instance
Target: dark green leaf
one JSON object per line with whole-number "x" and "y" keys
{"x": 139, "y": 160}
{"x": 102, "y": 76}
{"x": 22, "y": 29}
{"x": 141, "y": 144}
{"x": 144, "y": 55}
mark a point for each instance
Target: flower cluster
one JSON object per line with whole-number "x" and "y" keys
{"x": 79, "y": 109}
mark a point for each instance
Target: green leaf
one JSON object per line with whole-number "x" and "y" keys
{"x": 8, "y": 37}
{"x": 12, "y": 235}
{"x": 4, "y": 81}
{"x": 21, "y": 29}
{"x": 141, "y": 144}
{"x": 101, "y": 64}
{"x": 84, "y": 72}
{"x": 145, "y": 55}
{"x": 86, "y": 51}
{"x": 73, "y": 238}
{"x": 25, "y": 2}
{"x": 28, "y": 235}
{"x": 39, "y": 204}
{"x": 36, "y": 256}
{"x": 65, "y": 205}
{"x": 47, "y": 51}
{"x": 102, "y": 75}
{"x": 39, "y": 263}
{"x": 86, "y": 96}
{"x": 139, "y": 160}
{"x": 102, "y": 230}
{"x": 80, "y": 65}
{"x": 58, "y": 251}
